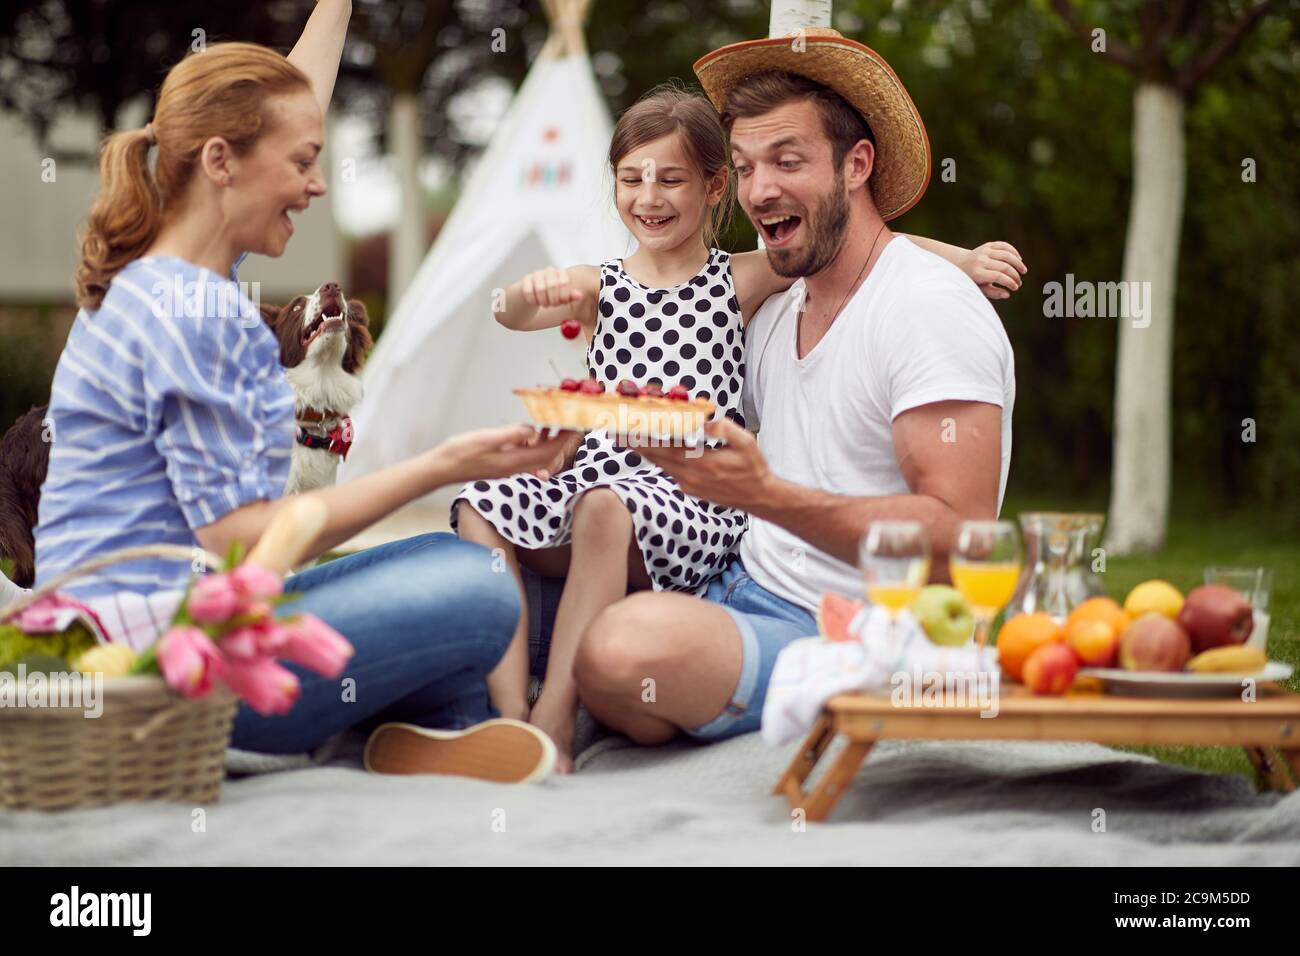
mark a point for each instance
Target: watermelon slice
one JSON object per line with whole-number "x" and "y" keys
{"x": 835, "y": 614}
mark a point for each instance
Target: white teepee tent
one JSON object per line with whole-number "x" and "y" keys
{"x": 540, "y": 195}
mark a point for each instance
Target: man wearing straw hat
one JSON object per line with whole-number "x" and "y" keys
{"x": 882, "y": 380}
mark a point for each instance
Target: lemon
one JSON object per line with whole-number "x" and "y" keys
{"x": 111, "y": 660}
{"x": 1154, "y": 597}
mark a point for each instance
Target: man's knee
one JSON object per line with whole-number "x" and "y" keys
{"x": 618, "y": 651}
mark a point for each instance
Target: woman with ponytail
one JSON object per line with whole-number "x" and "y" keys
{"x": 174, "y": 422}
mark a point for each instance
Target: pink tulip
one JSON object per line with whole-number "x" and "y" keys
{"x": 263, "y": 684}
{"x": 255, "y": 583}
{"x": 189, "y": 661}
{"x": 241, "y": 644}
{"x": 214, "y": 599}
{"x": 272, "y": 636}
{"x": 315, "y": 645}
{"x": 257, "y": 611}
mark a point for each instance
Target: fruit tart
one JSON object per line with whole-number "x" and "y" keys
{"x": 629, "y": 412}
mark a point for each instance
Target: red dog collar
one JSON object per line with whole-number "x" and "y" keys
{"x": 337, "y": 442}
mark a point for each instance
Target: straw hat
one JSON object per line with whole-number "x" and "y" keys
{"x": 855, "y": 72}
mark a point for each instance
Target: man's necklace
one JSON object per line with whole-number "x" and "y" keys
{"x": 854, "y": 285}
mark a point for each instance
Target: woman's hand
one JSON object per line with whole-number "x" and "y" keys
{"x": 550, "y": 287}
{"x": 996, "y": 268}
{"x": 497, "y": 452}
{"x": 570, "y": 442}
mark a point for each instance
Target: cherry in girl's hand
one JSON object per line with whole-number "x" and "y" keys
{"x": 570, "y": 328}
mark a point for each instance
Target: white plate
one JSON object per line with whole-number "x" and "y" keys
{"x": 1181, "y": 683}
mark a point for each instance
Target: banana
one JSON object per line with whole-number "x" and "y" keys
{"x": 1228, "y": 660}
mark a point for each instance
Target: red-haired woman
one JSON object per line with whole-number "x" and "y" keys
{"x": 174, "y": 420}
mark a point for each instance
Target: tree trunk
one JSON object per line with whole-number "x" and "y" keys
{"x": 407, "y": 238}
{"x": 789, "y": 15}
{"x": 1139, "y": 505}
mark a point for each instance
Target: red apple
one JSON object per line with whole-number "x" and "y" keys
{"x": 1214, "y": 615}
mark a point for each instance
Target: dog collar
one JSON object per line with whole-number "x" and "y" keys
{"x": 337, "y": 442}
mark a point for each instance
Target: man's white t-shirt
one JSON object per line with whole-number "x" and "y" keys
{"x": 917, "y": 331}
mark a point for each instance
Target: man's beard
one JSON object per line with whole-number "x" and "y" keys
{"x": 826, "y": 230}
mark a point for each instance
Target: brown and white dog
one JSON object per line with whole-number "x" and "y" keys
{"x": 323, "y": 343}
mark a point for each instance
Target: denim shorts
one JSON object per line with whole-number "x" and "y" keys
{"x": 767, "y": 623}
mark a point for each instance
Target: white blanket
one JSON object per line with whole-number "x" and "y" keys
{"x": 963, "y": 804}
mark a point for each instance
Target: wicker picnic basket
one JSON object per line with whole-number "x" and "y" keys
{"x": 148, "y": 743}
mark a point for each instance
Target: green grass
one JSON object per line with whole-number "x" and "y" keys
{"x": 1198, "y": 541}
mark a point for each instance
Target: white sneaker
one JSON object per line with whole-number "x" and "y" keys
{"x": 501, "y": 750}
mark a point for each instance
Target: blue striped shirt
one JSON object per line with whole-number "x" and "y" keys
{"x": 169, "y": 409}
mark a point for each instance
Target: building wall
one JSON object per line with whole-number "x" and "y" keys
{"x": 40, "y": 222}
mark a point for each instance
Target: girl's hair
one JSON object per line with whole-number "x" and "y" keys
{"x": 670, "y": 108}
{"x": 221, "y": 91}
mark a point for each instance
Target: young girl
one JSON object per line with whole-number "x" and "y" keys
{"x": 673, "y": 313}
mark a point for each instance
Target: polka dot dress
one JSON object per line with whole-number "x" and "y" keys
{"x": 690, "y": 335}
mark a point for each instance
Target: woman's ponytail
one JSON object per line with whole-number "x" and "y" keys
{"x": 125, "y": 217}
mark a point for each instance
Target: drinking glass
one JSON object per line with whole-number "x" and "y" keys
{"x": 895, "y": 559}
{"x": 985, "y": 567}
{"x": 1255, "y": 584}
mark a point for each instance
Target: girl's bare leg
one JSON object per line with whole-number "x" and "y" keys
{"x": 603, "y": 562}
{"x": 507, "y": 684}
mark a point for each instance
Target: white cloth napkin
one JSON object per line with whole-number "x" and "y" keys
{"x": 810, "y": 671}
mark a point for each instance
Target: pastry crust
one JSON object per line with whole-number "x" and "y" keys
{"x": 624, "y": 415}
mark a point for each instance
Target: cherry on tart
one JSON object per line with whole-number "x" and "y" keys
{"x": 570, "y": 385}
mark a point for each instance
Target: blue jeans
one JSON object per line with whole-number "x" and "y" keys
{"x": 767, "y": 623}
{"x": 428, "y": 617}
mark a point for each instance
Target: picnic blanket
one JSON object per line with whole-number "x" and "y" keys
{"x": 926, "y": 802}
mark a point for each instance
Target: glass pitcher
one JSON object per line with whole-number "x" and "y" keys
{"x": 1058, "y": 562}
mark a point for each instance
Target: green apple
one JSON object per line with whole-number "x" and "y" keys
{"x": 944, "y": 614}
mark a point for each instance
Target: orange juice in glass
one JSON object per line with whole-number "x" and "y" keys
{"x": 895, "y": 561}
{"x": 985, "y": 567}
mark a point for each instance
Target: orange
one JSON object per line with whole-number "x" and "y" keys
{"x": 1021, "y": 636}
{"x": 1094, "y": 641}
{"x": 1099, "y": 609}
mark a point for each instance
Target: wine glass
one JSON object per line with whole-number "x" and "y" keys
{"x": 985, "y": 567}
{"x": 895, "y": 557}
